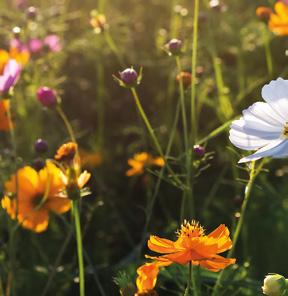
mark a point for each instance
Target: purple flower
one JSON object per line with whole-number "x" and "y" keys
{"x": 199, "y": 150}
{"x": 53, "y": 43}
{"x": 41, "y": 146}
{"x": 10, "y": 76}
{"x": 35, "y": 45}
{"x": 174, "y": 46}
{"x": 47, "y": 96}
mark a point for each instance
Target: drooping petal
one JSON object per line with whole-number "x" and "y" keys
{"x": 147, "y": 277}
{"x": 270, "y": 150}
{"x": 58, "y": 204}
{"x": 217, "y": 263}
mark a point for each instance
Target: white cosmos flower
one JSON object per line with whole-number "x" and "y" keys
{"x": 264, "y": 125}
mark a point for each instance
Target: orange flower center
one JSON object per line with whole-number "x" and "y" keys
{"x": 193, "y": 229}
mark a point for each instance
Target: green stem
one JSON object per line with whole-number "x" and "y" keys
{"x": 152, "y": 134}
{"x": 75, "y": 211}
{"x": 113, "y": 47}
{"x": 67, "y": 123}
{"x": 193, "y": 67}
{"x": 268, "y": 54}
{"x": 187, "y": 194}
{"x": 187, "y": 290}
{"x": 252, "y": 176}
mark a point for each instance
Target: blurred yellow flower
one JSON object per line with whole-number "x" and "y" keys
{"x": 38, "y": 194}
{"x": 278, "y": 22}
{"x": 264, "y": 12}
{"x": 98, "y": 21}
{"x": 142, "y": 160}
{"x": 194, "y": 246}
{"x": 5, "y": 123}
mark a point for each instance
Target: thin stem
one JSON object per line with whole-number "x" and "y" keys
{"x": 113, "y": 47}
{"x": 187, "y": 290}
{"x": 152, "y": 134}
{"x": 193, "y": 67}
{"x": 187, "y": 194}
{"x": 67, "y": 123}
{"x": 252, "y": 176}
{"x": 76, "y": 216}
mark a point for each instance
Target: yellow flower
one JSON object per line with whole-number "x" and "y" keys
{"x": 192, "y": 245}
{"x": 38, "y": 194}
{"x": 142, "y": 160}
{"x": 5, "y": 123}
{"x": 4, "y": 58}
{"x": 278, "y": 22}
{"x": 66, "y": 152}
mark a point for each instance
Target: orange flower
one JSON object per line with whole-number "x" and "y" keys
{"x": 66, "y": 152}
{"x": 194, "y": 246}
{"x": 147, "y": 277}
{"x": 278, "y": 22}
{"x": 264, "y": 12}
{"x": 5, "y": 123}
{"x": 38, "y": 194}
{"x": 90, "y": 159}
{"x": 142, "y": 160}
{"x": 98, "y": 21}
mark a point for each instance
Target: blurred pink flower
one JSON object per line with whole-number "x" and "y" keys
{"x": 35, "y": 45}
{"x": 53, "y": 42}
{"x": 15, "y": 43}
{"x": 9, "y": 76}
{"x": 284, "y": 1}
{"x": 20, "y": 4}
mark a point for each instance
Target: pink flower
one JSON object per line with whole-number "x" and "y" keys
{"x": 10, "y": 76}
{"x": 17, "y": 44}
{"x": 35, "y": 45}
{"x": 47, "y": 96}
{"x": 53, "y": 42}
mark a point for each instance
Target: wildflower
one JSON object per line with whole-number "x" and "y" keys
{"x": 174, "y": 47}
{"x": 47, "y": 96}
{"x": 31, "y": 12}
{"x": 90, "y": 159}
{"x": 194, "y": 246}
{"x": 39, "y": 193}
{"x": 41, "y": 146}
{"x": 147, "y": 277}
{"x": 9, "y": 76}
{"x": 129, "y": 76}
{"x": 69, "y": 158}
{"x": 274, "y": 285}
{"x": 98, "y": 21}
{"x": 278, "y": 22}
{"x": 35, "y": 45}
{"x": 5, "y": 123}
{"x": 264, "y": 126}
{"x": 142, "y": 160}
{"x": 66, "y": 152}
{"x": 185, "y": 77}
{"x": 53, "y": 43}
{"x": 264, "y": 12}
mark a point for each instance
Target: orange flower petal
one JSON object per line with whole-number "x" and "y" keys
{"x": 161, "y": 245}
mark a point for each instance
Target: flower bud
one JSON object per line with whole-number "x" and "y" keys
{"x": 199, "y": 150}
{"x": 174, "y": 46}
{"x": 274, "y": 285}
{"x": 185, "y": 77}
{"x": 31, "y": 12}
{"x": 129, "y": 77}
{"x": 41, "y": 146}
{"x": 263, "y": 13}
{"x": 38, "y": 164}
{"x": 16, "y": 32}
{"x": 47, "y": 96}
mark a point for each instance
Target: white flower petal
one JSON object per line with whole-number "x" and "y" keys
{"x": 276, "y": 95}
{"x": 264, "y": 113}
{"x": 274, "y": 149}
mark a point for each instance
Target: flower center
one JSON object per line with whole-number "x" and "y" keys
{"x": 193, "y": 229}
{"x": 38, "y": 201}
{"x": 285, "y": 130}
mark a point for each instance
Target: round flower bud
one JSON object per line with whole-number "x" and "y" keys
{"x": 174, "y": 46}
{"x": 31, "y": 12}
{"x": 274, "y": 285}
{"x": 38, "y": 164}
{"x": 47, "y": 96}
{"x": 185, "y": 77}
{"x": 16, "y": 32}
{"x": 41, "y": 146}
{"x": 199, "y": 150}
{"x": 264, "y": 13}
{"x": 129, "y": 77}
